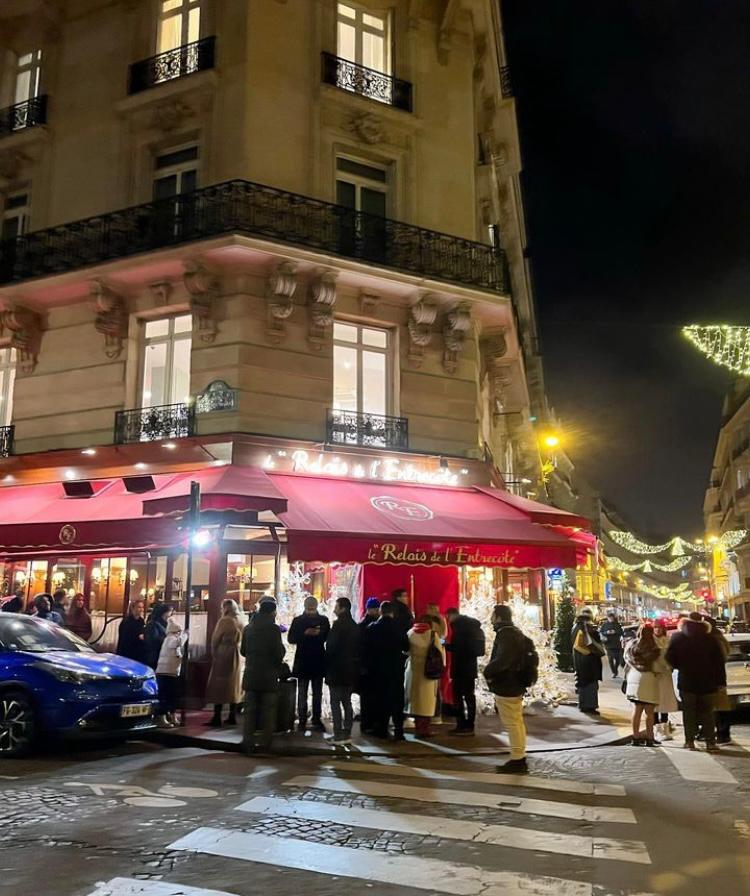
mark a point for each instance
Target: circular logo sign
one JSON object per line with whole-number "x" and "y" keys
{"x": 67, "y": 535}
{"x": 401, "y": 509}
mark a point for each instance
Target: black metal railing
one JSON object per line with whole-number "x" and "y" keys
{"x": 23, "y": 115}
{"x": 506, "y": 84}
{"x": 367, "y": 82}
{"x": 243, "y": 207}
{"x": 367, "y": 430}
{"x": 169, "y": 421}
{"x": 185, "y": 60}
{"x": 6, "y": 441}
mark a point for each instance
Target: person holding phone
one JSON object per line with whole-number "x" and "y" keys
{"x": 308, "y": 632}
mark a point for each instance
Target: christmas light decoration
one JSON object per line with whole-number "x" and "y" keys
{"x": 635, "y": 545}
{"x": 732, "y": 538}
{"x": 726, "y": 346}
{"x": 549, "y": 687}
{"x": 615, "y": 563}
{"x": 677, "y": 546}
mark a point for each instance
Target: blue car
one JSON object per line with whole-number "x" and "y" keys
{"x": 53, "y": 684}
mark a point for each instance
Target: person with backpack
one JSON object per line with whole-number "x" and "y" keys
{"x": 466, "y": 645}
{"x": 423, "y": 672}
{"x": 512, "y": 669}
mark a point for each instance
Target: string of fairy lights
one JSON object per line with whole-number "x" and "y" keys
{"x": 677, "y": 546}
{"x": 725, "y": 345}
{"x": 648, "y": 565}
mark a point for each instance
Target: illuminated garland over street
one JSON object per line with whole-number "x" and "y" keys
{"x": 648, "y": 565}
{"x": 677, "y": 546}
{"x": 724, "y": 345}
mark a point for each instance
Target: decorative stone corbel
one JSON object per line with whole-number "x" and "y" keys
{"x": 161, "y": 292}
{"x": 111, "y": 317}
{"x": 167, "y": 117}
{"x": 203, "y": 289}
{"x": 322, "y": 302}
{"x": 422, "y": 316}
{"x": 25, "y": 328}
{"x": 282, "y": 284}
{"x": 456, "y": 324}
{"x": 368, "y": 302}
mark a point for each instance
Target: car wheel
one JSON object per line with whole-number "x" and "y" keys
{"x": 17, "y": 725}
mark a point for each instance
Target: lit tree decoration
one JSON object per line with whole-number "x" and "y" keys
{"x": 725, "y": 345}
{"x": 549, "y": 686}
{"x": 479, "y": 605}
{"x": 565, "y": 618}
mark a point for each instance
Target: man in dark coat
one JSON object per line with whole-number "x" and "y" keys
{"x": 465, "y": 646}
{"x": 699, "y": 660}
{"x": 611, "y": 635}
{"x": 368, "y": 679}
{"x": 401, "y": 611}
{"x": 309, "y": 632}
{"x": 507, "y": 674}
{"x": 16, "y": 604}
{"x": 264, "y": 659}
{"x": 131, "y": 635}
{"x": 342, "y": 670}
{"x": 385, "y": 648}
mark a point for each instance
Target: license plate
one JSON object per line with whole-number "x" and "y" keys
{"x": 135, "y": 709}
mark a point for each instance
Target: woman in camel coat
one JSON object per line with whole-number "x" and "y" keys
{"x": 224, "y": 680}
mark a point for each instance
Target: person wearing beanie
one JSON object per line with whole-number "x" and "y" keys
{"x": 309, "y": 632}
{"x": 264, "y": 661}
{"x": 368, "y": 678}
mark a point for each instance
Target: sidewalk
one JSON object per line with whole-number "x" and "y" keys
{"x": 548, "y": 728}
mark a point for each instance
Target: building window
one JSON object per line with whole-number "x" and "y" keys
{"x": 175, "y": 172}
{"x": 15, "y": 216}
{"x": 361, "y": 369}
{"x": 166, "y": 361}
{"x": 28, "y": 76}
{"x": 179, "y": 24}
{"x": 363, "y": 189}
{"x": 7, "y": 379}
{"x": 363, "y": 36}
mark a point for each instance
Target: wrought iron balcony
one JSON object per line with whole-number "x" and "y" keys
{"x": 23, "y": 115}
{"x": 506, "y": 84}
{"x": 366, "y": 430}
{"x": 6, "y": 441}
{"x": 367, "y": 82}
{"x": 243, "y": 207}
{"x": 185, "y": 60}
{"x": 169, "y": 421}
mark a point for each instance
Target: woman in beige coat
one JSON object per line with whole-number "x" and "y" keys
{"x": 421, "y": 692}
{"x": 224, "y": 680}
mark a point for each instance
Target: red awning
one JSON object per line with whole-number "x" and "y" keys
{"x": 340, "y": 520}
{"x": 537, "y": 512}
{"x": 222, "y": 488}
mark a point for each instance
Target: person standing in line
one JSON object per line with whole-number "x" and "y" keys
{"x": 587, "y": 662}
{"x": 168, "y": 671}
{"x": 132, "y": 633}
{"x": 512, "y": 669}
{"x": 644, "y": 661}
{"x": 224, "y": 679}
{"x": 342, "y": 670}
{"x": 43, "y": 609}
{"x": 722, "y": 704}
{"x": 401, "y": 610}
{"x": 264, "y": 661}
{"x": 611, "y": 634}
{"x": 386, "y": 646}
{"x": 368, "y": 679}
{"x": 699, "y": 661}
{"x": 467, "y": 644}
{"x": 667, "y": 698}
{"x": 155, "y": 632}
{"x": 309, "y": 632}
{"x": 78, "y": 619}
{"x": 60, "y": 604}
{"x": 16, "y": 604}
{"x": 422, "y": 691}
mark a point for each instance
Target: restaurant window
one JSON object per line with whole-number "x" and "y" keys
{"x": 179, "y": 24}
{"x": 68, "y": 575}
{"x": 250, "y": 577}
{"x": 361, "y": 368}
{"x": 7, "y": 380}
{"x": 108, "y": 578}
{"x": 28, "y": 76}
{"x": 30, "y": 577}
{"x": 166, "y": 361}
{"x": 363, "y": 36}
{"x": 15, "y": 220}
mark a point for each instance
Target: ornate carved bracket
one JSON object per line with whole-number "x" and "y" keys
{"x": 161, "y": 291}
{"x": 456, "y": 324}
{"x": 368, "y": 302}
{"x": 25, "y": 328}
{"x": 322, "y": 302}
{"x": 282, "y": 284}
{"x": 422, "y": 316}
{"x": 111, "y": 317}
{"x": 203, "y": 289}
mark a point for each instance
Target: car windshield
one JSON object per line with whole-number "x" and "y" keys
{"x": 37, "y": 636}
{"x": 738, "y": 650}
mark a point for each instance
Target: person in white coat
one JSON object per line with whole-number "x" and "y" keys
{"x": 168, "y": 670}
{"x": 667, "y": 697}
{"x": 421, "y": 692}
{"x": 646, "y": 665}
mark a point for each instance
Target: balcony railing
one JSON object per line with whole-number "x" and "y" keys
{"x": 506, "y": 85}
{"x": 366, "y": 430}
{"x": 169, "y": 421}
{"x": 185, "y": 60}
{"x": 367, "y": 82}
{"x": 6, "y": 441}
{"x": 248, "y": 208}
{"x": 23, "y": 115}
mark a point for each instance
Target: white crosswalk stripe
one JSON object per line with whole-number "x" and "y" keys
{"x": 126, "y": 886}
{"x": 698, "y": 766}
{"x": 524, "y": 805}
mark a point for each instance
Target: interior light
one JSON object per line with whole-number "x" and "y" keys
{"x": 140, "y": 465}
{"x": 89, "y": 451}
{"x": 69, "y": 474}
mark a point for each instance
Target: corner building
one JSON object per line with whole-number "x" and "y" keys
{"x": 276, "y": 247}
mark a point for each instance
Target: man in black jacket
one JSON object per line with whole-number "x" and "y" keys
{"x": 508, "y": 673}
{"x": 699, "y": 660}
{"x": 309, "y": 632}
{"x": 264, "y": 658}
{"x": 385, "y": 648}
{"x": 401, "y": 611}
{"x": 611, "y": 635}
{"x": 465, "y": 646}
{"x": 368, "y": 679}
{"x": 342, "y": 670}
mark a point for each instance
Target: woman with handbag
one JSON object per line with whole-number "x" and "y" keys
{"x": 645, "y": 664}
{"x": 423, "y": 672}
{"x": 588, "y": 651}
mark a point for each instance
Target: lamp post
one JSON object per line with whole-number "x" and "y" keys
{"x": 193, "y": 517}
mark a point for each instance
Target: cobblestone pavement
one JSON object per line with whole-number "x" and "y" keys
{"x": 146, "y": 821}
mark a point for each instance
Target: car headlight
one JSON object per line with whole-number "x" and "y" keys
{"x": 69, "y": 676}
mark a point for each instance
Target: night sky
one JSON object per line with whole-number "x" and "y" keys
{"x": 635, "y": 124}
